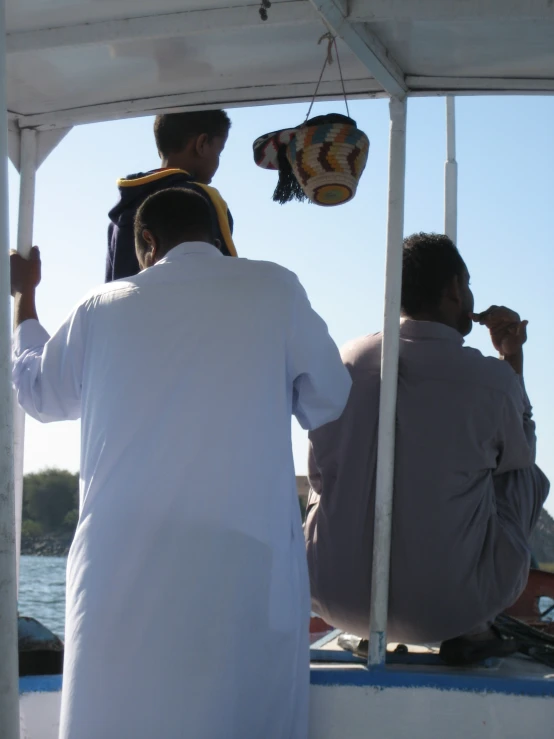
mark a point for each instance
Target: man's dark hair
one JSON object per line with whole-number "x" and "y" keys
{"x": 173, "y": 131}
{"x": 173, "y": 216}
{"x": 429, "y": 264}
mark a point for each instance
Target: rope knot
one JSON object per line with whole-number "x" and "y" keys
{"x": 330, "y": 41}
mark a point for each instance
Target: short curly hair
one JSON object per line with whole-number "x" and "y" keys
{"x": 173, "y": 131}
{"x": 429, "y": 263}
{"x": 173, "y": 216}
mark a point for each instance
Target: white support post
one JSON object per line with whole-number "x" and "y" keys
{"x": 451, "y": 173}
{"x": 389, "y": 383}
{"x": 27, "y": 170}
{"x": 9, "y": 681}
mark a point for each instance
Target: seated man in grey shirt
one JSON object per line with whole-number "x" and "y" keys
{"x": 467, "y": 490}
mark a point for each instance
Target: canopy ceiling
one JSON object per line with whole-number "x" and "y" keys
{"x": 77, "y": 61}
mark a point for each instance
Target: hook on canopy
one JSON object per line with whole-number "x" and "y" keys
{"x": 264, "y": 7}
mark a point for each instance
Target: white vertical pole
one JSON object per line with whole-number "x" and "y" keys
{"x": 389, "y": 381}
{"x": 9, "y": 692}
{"x": 27, "y": 171}
{"x": 451, "y": 173}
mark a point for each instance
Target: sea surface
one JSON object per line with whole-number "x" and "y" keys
{"x": 42, "y": 591}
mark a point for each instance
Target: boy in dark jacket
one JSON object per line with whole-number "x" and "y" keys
{"x": 189, "y": 145}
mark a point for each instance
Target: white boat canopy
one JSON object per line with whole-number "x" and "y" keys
{"x": 80, "y": 61}
{"x": 68, "y": 62}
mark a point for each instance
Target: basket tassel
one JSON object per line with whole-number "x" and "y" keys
{"x": 288, "y": 188}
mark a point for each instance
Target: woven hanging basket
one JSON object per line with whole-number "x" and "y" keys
{"x": 321, "y": 160}
{"x": 328, "y": 160}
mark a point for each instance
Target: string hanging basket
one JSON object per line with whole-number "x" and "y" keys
{"x": 322, "y": 160}
{"x": 327, "y": 159}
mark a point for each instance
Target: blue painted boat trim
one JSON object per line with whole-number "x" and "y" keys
{"x": 465, "y": 682}
{"x": 40, "y": 684}
{"x": 390, "y": 677}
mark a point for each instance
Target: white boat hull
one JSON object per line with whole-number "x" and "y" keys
{"x": 510, "y": 701}
{"x": 421, "y": 713}
{"x": 39, "y": 714}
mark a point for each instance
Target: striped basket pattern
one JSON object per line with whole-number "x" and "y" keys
{"x": 328, "y": 161}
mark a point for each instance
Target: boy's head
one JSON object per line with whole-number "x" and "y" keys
{"x": 192, "y": 141}
{"x": 168, "y": 218}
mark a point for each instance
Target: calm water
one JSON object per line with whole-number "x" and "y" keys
{"x": 42, "y": 591}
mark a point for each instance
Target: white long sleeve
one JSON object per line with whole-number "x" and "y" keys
{"x": 47, "y": 371}
{"x": 321, "y": 383}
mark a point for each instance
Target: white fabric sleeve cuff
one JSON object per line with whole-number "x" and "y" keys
{"x": 29, "y": 335}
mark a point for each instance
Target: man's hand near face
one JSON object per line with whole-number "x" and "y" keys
{"x": 508, "y": 333}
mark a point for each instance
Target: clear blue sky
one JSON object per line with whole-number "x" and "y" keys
{"x": 506, "y": 165}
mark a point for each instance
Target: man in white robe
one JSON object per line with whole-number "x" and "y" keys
{"x": 187, "y": 590}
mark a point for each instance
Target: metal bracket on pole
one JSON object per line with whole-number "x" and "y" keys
{"x": 46, "y": 143}
{"x": 389, "y": 384}
{"x": 451, "y": 173}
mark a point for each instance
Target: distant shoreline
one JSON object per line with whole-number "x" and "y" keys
{"x": 46, "y": 546}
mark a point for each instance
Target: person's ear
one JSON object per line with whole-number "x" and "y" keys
{"x": 201, "y": 143}
{"x": 149, "y": 256}
{"x": 217, "y": 244}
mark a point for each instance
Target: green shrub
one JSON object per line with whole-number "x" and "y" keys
{"x": 48, "y": 497}
{"x": 31, "y": 529}
{"x": 70, "y": 521}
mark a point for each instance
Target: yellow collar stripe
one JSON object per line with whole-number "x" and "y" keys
{"x": 150, "y": 177}
{"x": 219, "y": 204}
{"x": 223, "y": 219}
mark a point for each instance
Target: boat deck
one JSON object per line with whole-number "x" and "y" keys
{"x": 421, "y": 667}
